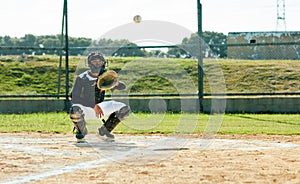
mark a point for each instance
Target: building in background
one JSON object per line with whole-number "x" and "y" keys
{"x": 284, "y": 45}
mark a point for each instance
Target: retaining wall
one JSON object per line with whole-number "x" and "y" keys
{"x": 231, "y": 105}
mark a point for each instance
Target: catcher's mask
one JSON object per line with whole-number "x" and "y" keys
{"x": 95, "y": 65}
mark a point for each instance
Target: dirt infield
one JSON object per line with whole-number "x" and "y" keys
{"x": 56, "y": 158}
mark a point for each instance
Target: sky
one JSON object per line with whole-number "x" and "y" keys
{"x": 92, "y": 18}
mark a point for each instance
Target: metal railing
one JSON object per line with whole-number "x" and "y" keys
{"x": 245, "y": 94}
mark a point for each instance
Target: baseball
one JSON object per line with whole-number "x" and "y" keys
{"x": 137, "y": 19}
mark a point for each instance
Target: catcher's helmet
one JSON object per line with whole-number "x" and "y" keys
{"x": 96, "y": 55}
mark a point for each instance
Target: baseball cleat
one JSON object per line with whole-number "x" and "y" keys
{"x": 79, "y": 135}
{"x": 81, "y": 141}
{"x": 104, "y": 134}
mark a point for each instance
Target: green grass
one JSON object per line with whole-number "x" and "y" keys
{"x": 261, "y": 124}
{"x": 141, "y": 123}
{"x": 36, "y": 122}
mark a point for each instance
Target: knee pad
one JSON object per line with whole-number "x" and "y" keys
{"x": 111, "y": 122}
{"x": 77, "y": 117}
{"x": 76, "y": 114}
{"x": 115, "y": 118}
{"x": 123, "y": 112}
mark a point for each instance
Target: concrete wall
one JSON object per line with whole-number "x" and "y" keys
{"x": 264, "y": 105}
{"x": 232, "y": 105}
{"x": 29, "y": 106}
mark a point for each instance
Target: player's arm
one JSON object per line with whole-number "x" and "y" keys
{"x": 121, "y": 86}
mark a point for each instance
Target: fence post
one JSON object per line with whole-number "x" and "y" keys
{"x": 200, "y": 57}
{"x": 67, "y": 101}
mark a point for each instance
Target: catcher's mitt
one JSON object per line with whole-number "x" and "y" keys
{"x": 108, "y": 80}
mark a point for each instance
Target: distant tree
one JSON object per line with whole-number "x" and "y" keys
{"x": 79, "y": 42}
{"x": 7, "y": 41}
{"x": 215, "y": 38}
{"x": 51, "y": 42}
{"x": 211, "y": 45}
{"x": 108, "y": 46}
{"x": 111, "y": 47}
{"x": 130, "y": 49}
{"x": 157, "y": 53}
{"x": 178, "y": 52}
{"x": 29, "y": 39}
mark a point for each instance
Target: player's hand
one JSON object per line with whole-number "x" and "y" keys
{"x": 98, "y": 111}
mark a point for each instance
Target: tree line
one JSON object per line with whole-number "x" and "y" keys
{"x": 211, "y": 43}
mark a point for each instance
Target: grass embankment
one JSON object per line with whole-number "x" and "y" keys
{"x": 39, "y": 74}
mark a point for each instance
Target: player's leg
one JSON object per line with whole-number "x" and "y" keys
{"x": 77, "y": 117}
{"x": 109, "y": 107}
{"x": 119, "y": 112}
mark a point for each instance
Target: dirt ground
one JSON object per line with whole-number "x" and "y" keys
{"x": 56, "y": 158}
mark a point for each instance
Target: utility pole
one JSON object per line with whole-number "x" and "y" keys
{"x": 281, "y": 24}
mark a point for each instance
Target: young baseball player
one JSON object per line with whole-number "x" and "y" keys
{"x": 88, "y": 101}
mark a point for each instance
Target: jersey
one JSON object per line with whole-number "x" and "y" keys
{"x": 85, "y": 91}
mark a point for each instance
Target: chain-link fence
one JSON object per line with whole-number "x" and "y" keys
{"x": 252, "y": 67}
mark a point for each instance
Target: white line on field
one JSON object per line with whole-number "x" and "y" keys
{"x": 31, "y": 149}
{"x": 80, "y": 166}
